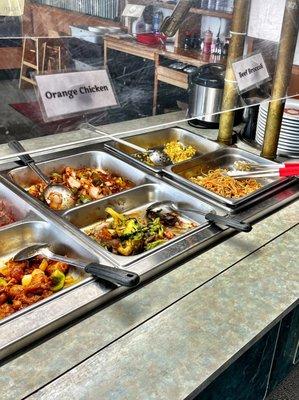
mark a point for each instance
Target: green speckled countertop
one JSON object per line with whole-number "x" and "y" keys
{"x": 174, "y": 334}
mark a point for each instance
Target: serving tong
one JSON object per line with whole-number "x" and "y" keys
{"x": 243, "y": 169}
{"x": 211, "y": 217}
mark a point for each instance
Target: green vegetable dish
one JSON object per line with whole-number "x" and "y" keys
{"x": 128, "y": 235}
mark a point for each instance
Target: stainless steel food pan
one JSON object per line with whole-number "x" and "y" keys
{"x": 135, "y": 199}
{"x": 24, "y": 177}
{"x": 22, "y": 234}
{"x": 19, "y": 207}
{"x": 158, "y": 139}
{"x": 28, "y": 324}
{"x": 222, "y": 158}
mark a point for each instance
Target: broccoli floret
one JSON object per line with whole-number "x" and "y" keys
{"x": 132, "y": 227}
{"x": 132, "y": 245}
{"x": 126, "y": 248}
{"x": 156, "y": 228}
{"x": 117, "y": 217}
{"x": 152, "y": 245}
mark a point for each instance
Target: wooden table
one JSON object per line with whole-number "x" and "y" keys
{"x": 155, "y": 53}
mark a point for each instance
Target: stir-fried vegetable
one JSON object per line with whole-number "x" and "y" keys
{"x": 128, "y": 235}
{"x": 3, "y": 282}
{"x": 58, "y": 279}
{"x": 152, "y": 245}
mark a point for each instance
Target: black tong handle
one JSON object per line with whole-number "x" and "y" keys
{"x": 230, "y": 222}
{"x": 113, "y": 275}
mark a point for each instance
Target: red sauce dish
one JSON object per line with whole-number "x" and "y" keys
{"x": 151, "y": 38}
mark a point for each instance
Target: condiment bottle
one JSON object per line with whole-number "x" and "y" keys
{"x": 188, "y": 41}
{"x": 207, "y": 42}
{"x": 140, "y": 26}
{"x": 196, "y": 40}
{"x": 157, "y": 21}
{"x": 225, "y": 48}
{"x": 213, "y": 47}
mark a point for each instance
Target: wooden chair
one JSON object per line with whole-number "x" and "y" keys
{"x": 41, "y": 55}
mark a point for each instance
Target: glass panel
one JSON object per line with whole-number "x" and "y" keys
{"x": 158, "y": 81}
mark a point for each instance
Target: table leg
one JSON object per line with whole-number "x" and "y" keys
{"x": 105, "y": 53}
{"x": 156, "y": 85}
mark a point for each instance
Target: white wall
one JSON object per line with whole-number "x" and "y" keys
{"x": 265, "y": 21}
{"x": 296, "y": 58}
{"x": 214, "y": 24}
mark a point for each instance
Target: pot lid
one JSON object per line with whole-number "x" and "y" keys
{"x": 210, "y": 75}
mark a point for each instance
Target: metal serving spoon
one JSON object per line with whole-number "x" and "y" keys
{"x": 157, "y": 156}
{"x": 170, "y": 206}
{"x": 110, "y": 274}
{"x": 63, "y": 194}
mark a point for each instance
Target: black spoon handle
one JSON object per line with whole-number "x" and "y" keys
{"x": 230, "y": 222}
{"x": 25, "y": 158}
{"x": 113, "y": 275}
{"x": 28, "y": 160}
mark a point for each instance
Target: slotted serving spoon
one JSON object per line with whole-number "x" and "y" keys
{"x": 166, "y": 206}
{"x": 157, "y": 156}
{"x": 63, "y": 194}
{"x": 114, "y": 275}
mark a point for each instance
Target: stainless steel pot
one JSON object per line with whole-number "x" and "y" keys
{"x": 205, "y": 92}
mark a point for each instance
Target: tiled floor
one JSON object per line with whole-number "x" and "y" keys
{"x": 13, "y": 123}
{"x": 288, "y": 389}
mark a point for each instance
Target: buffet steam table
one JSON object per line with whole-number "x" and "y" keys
{"x": 177, "y": 334}
{"x": 222, "y": 323}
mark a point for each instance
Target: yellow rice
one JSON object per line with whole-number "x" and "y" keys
{"x": 177, "y": 152}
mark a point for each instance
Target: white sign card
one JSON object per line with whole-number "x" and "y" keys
{"x": 68, "y": 93}
{"x": 133, "y": 10}
{"x": 12, "y": 8}
{"x": 250, "y": 72}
